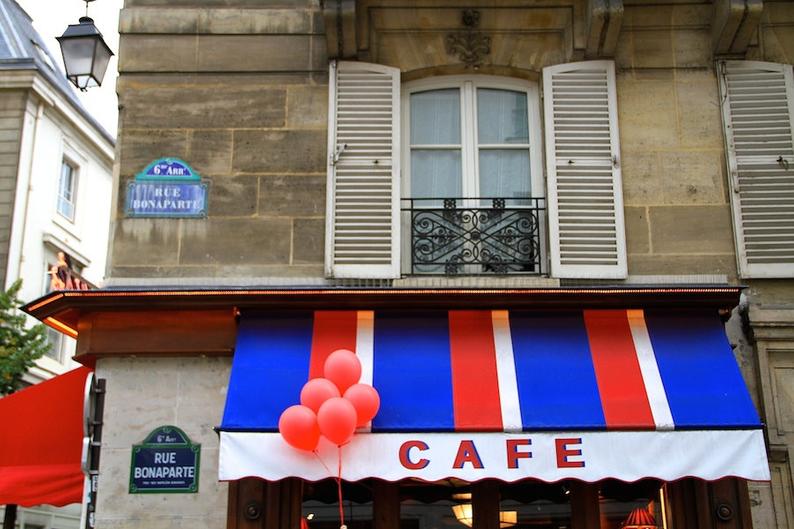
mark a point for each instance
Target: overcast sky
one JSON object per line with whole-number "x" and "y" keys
{"x": 50, "y": 18}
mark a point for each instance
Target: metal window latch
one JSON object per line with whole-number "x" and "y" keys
{"x": 339, "y": 150}
{"x": 782, "y": 162}
{"x": 615, "y": 162}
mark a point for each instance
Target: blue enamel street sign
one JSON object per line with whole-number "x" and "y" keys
{"x": 166, "y": 461}
{"x": 168, "y": 187}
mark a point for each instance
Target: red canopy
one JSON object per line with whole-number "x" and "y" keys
{"x": 41, "y": 442}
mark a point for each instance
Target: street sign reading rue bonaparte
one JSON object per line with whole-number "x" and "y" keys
{"x": 167, "y": 187}
{"x": 166, "y": 461}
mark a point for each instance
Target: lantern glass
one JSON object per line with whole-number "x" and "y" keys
{"x": 85, "y": 54}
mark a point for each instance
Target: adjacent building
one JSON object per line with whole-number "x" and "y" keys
{"x": 55, "y": 190}
{"x": 558, "y": 235}
{"x": 57, "y": 175}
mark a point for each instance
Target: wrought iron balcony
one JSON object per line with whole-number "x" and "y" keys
{"x": 467, "y": 236}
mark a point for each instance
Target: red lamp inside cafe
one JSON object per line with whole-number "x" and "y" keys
{"x": 639, "y": 518}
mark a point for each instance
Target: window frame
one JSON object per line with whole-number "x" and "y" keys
{"x": 470, "y": 146}
{"x": 75, "y": 172}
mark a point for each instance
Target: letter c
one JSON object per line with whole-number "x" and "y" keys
{"x": 405, "y": 455}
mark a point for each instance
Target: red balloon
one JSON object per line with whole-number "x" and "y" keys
{"x": 342, "y": 368}
{"x": 316, "y": 391}
{"x": 337, "y": 420}
{"x": 299, "y": 428}
{"x": 365, "y": 400}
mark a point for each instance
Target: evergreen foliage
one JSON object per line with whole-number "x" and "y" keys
{"x": 20, "y": 346}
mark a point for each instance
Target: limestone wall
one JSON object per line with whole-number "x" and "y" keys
{"x": 238, "y": 89}
{"x": 143, "y": 394}
{"x": 242, "y": 96}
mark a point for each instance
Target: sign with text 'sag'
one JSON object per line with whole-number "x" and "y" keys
{"x": 168, "y": 187}
{"x": 166, "y": 461}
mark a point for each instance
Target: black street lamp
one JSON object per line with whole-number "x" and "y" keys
{"x": 85, "y": 54}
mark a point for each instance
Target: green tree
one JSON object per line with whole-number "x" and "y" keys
{"x": 20, "y": 346}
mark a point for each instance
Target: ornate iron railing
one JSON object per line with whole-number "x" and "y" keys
{"x": 466, "y": 236}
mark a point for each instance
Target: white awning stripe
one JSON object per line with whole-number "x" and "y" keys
{"x": 548, "y": 456}
{"x": 365, "y": 339}
{"x": 657, "y": 398}
{"x": 506, "y": 372}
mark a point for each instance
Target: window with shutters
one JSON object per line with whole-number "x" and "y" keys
{"x": 472, "y": 177}
{"x": 470, "y": 198}
{"x": 757, "y": 107}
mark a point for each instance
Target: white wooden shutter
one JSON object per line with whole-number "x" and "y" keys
{"x": 585, "y": 195}
{"x": 362, "y": 236}
{"x": 757, "y": 102}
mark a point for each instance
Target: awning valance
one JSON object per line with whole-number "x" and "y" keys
{"x": 42, "y": 441}
{"x": 630, "y": 393}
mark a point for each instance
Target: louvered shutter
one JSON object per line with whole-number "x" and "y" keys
{"x": 585, "y": 197}
{"x": 362, "y": 239}
{"x": 757, "y": 102}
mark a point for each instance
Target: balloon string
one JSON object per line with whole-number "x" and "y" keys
{"x": 339, "y": 490}
{"x": 317, "y": 455}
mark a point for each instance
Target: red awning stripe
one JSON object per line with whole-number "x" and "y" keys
{"x": 623, "y": 396}
{"x": 333, "y": 329}
{"x": 475, "y": 383}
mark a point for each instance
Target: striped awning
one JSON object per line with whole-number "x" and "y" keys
{"x": 609, "y": 383}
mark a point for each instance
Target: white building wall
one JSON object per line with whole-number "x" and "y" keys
{"x": 49, "y": 137}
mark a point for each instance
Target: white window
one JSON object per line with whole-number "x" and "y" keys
{"x": 67, "y": 188}
{"x": 472, "y": 146}
{"x": 57, "y": 345}
{"x": 471, "y": 138}
{"x": 758, "y": 113}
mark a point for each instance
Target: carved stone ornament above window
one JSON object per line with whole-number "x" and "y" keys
{"x": 469, "y": 45}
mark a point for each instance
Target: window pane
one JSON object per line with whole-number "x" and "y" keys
{"x": 320, "y": 509}
{"x": 65, "y": 208}
{"x": 533, "y": 505}
{"x": 435, "y": 117}
{"x": 56, "y": 344}
{"x": 504, "y": 173}
{"x": 502, "y": 116}
{"x": 66, "y": 191}
{"x": 65, "y": 188}
{"x": 430, "y": 506}
{"x": 435, "y": 173}
{"x": 624, "y": 503}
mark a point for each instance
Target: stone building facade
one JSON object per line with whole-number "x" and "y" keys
{"x": 240, "y": 90}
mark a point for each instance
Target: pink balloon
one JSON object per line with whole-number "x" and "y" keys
{"x": 342, "y": 368}
{"x": 337, "y": 420}
{"x": 316, "y": 391}
{"x": 365, "y": 400}
{"x": 299, "y": 428}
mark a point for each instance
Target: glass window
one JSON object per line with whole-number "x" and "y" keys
{"x": 320, "y": 509}
{"x": 66, "y": 190}
{"x": 434, "y": 506}
{"x": 472, "y": 177}
{"x": 56, "y": 345}
{"x": 451, "y": 157}
{"x": 435, "y": 144}
{"x": 535, "y": 505}
{"x": 630, "y": 504}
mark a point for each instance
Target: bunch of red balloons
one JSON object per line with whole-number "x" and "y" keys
{"x": 333, "y": 406}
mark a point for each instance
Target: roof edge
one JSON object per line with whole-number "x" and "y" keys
{"x": 62, "y": 310}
